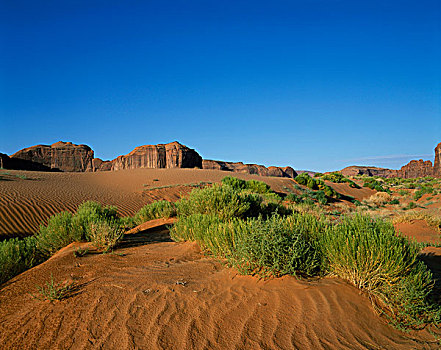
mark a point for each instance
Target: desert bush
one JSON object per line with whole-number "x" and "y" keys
{"x": 234, "y": 182}
{"x": 105, "y": 235}
{"x": 16, "y": 256}
{"x": 411, "y": 205}
{"x": 403, "y": 192}
{"x": 251, "y": 185}
{"x": 431, "y": 219}
{"x": 275, "y": 247}
{"x": 155, "y": 210}
{"x": 209, "y": 231}
{"x": 59, "y": 232}
{"x": 422, "y": 191}
{"x": 378, "y": 199}
{"x": 219, "y": 200}
{"x": 337, "y": 177}
{"x": 374, "y": 184}
{"x": 89, "y": 213}
{"x": 369, "y": 254}
{"x": 316, "y": 184}
{"x": 258, "y": 186}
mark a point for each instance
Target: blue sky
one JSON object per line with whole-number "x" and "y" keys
{"x": 313, "y": 84}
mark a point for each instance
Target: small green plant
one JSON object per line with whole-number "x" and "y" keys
{"x": 411, "y": 205}
{"x": 80, "y": 252}
{"x": 53, "y": 291}
{"x": 155, "y": 210}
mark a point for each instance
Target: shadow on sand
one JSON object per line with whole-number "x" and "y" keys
{"x": 152, "y": 235}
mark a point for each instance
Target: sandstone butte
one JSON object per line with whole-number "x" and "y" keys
{"x": 65, "y": 156}
{"x": 415, "y": 168}
{"x": 61, "y": 156}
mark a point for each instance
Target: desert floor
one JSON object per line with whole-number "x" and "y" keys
{"x": 152, "y": 293}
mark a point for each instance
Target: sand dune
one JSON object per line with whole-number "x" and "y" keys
{"x": 165, "y": 295}
{"x": 27, "y": 203}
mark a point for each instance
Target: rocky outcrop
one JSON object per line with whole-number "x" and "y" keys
{"x": 255, "y": 169}
{"x": 101, "y": 165}
{"x": 7, "y": 162}
{"x": 61, "y": 156}
{"x": 368, "y": 170}
{"x": 415, "y": 168}
{"x": 437, "y": 164}
{"x": 170, "y": 155}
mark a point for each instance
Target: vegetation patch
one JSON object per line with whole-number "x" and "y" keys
{"x": 53, "y": 291}
{"x": 369, "y": 254}
{"x": 337, "y": 177}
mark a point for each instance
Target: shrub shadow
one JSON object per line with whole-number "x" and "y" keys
{"x": 152, "y": 235}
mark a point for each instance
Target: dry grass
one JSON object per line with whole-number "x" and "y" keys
{"x": 378, "y": 199}
{"x": 432, "y": 219}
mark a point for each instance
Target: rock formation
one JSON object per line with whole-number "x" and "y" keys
{"x": 62, "y": 156}
{"x": 255, "y": 169}
{"x": 437, "y": 163}
{"x": 7, "y": 162}
{"x": 415, "y": 168}
{"x": 170, "y": 155}
{"x": 368, "y": 170}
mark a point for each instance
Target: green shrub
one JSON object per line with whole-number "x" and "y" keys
{"x": 369, "y": 254}
{"x": 258, "y": 186}
{"x": 89, "y": 213}
{"x": 337, "y": 177}
{"x": 373, "y": 184}
{"x": 234, "y": 182}
{"x": 208, "y": 230}
{"x": 274, "y": 247}
{"x": 105, "y": 235}
{"x": 251, "y": 185}
{"x": 155, "y": 210}
{"x": 59, "y": 232}
{"x": 16, "y": 256}
{"x": 316, "y": 184}
{"x": 220, "y": 200}
{"x": 411, "y": 205}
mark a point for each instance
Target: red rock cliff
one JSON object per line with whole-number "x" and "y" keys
{"x": 63, "y": 156}
{"x": 437, "y": 164}
{"x": 170, "y": 155}
{"x": 255, "y": 169}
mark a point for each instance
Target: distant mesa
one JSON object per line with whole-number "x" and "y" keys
{"x": 61, "y": 156}
{"x": 256, "y": 169}
{"x": 170, "y": 155}
{"x": 66, "y": 156}
{"x": 415, "y": 168}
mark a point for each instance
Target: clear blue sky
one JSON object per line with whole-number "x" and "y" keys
{"x": 313, "y": 84}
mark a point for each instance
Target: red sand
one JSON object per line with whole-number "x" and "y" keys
{"x": 165, "y": 295}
